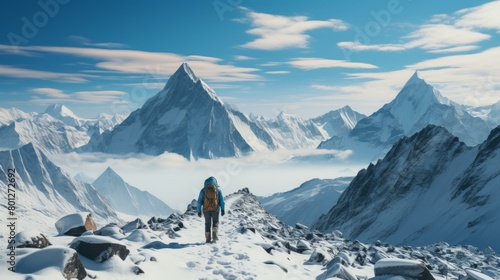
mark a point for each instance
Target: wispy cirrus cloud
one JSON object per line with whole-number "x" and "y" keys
{"x": 22, "y": 73}
{"x": 277, "y": 32}
{"x": 47, "y": 96}
{"x": 309, "y": 63}
{"x": 87, "y": 42}
{"x": 458, "y": 32}
{"x": 157, "y": 64}
{"x": 429, "y": 37}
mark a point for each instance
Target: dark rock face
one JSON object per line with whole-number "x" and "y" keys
{"x": 74, "y": 268}
{"x": 76, "y": 231}
{"x": 99, "y": 252}
{"x": 410, "y": 270}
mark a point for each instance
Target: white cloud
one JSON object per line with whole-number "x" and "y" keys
{"x": 156, "y": 64}
{"x": 309, "y": 63}
{"x": 14, "y": 72}
{"x": 456, "y": 49}
{"x": 430, "y": 37}
{"x": 51, "y": 95}
{"x": 243, "y": 57}
{"x": 483, "y": 16}
{"x": 276, "y": 32}
{"x": 457, "y": 32}
{"x": 87, "y": 42}
{"x": 50, "y": 92}
{"x": 277, "y": 72}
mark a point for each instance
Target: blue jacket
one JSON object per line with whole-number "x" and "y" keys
{"x": 201, "y": 197}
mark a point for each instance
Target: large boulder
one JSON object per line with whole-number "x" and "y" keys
{"x": 337, "y": 271}
{"x": 409, "y": 269}
{"x": 31, "y": 239}
{"x": 111, "y": 230}
{"x": 75, "y": 224}
{"x": 62, "y": 258}
{"x": 99, "y": 248}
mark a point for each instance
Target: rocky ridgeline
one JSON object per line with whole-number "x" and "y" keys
{"x": 339, "y": 257}
{"x": 338, "y": 254}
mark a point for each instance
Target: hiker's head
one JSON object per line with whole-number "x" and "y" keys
{"x": 211, "y": 180}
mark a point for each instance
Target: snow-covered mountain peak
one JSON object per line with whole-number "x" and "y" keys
{"x": 58, "y": 110}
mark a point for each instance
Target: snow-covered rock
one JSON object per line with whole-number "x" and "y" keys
{"x": 428, "y": 188}
{"x": 64, "y": 260}
{"x": 99, "y": 248}
{"x": 128, "y": 199}
{"x": 306, "y": 203}
{"x": 75, "y": 224}
{"x": 409, "y": 269}
{"x": 31, "y": 239}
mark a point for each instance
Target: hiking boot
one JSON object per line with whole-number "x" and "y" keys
{"x": 207, "y": 237}
{"x": 214, "y": 234}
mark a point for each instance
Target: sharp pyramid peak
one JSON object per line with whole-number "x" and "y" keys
{"x": 416, "y": 78}
{"x": 185, "y": 71}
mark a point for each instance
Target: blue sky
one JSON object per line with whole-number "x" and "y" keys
{"x": 301, "y": 57}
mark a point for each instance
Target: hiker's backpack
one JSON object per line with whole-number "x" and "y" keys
{"x": 211, "y": 200}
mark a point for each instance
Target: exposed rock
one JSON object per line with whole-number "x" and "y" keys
{"x": 65, "y": 259}
{"x": 339, "y": 271}
{"x": 31, "y": 239}
{"x": 133, "y": 225}
{"x": 75, "y": 224}
{"x": 410, "y": 269}
{"x": 99, "y": 248}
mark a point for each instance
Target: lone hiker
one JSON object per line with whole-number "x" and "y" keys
{"x": 212, "y": 200}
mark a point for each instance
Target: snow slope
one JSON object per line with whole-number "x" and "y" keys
{"x": 428, "y": 188}
{"x": 339, "y": 122}
{"x": 45, "y": 132}
{"x": 128, "y": 199}
{"x": 44, "y": 190}
{"x": 7, "y": 116}
{"x": 416, "y": 105}
{"x": 306, "y": 203}
{"x": 252, "y": 245}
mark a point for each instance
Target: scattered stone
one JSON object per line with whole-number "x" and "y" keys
{"x": 133, "y": 225}
{"x": 339, "y": 271}
{"x": 99, "y": 248}
{"x": 303, "y": 246}
{"x": 318, "y": 256}
{"x": 279, "y": 265}
{"x": 137, "y": 270}
{"x": 473, "y": 274}
{"x": 301, "y": 226}
{"x": 410, "y": 269}
{"x": 31, "y": 239}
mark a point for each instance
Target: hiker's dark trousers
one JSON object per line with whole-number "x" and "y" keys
{"x": 211, "y": 219}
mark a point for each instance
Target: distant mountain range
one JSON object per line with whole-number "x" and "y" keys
{"x": 430, "y": 187}
{"x": 306, "y": 203}
{"x": 57, "y": 130}
{"x": 417, "y": 105}
{"x": 188, "y": 118}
